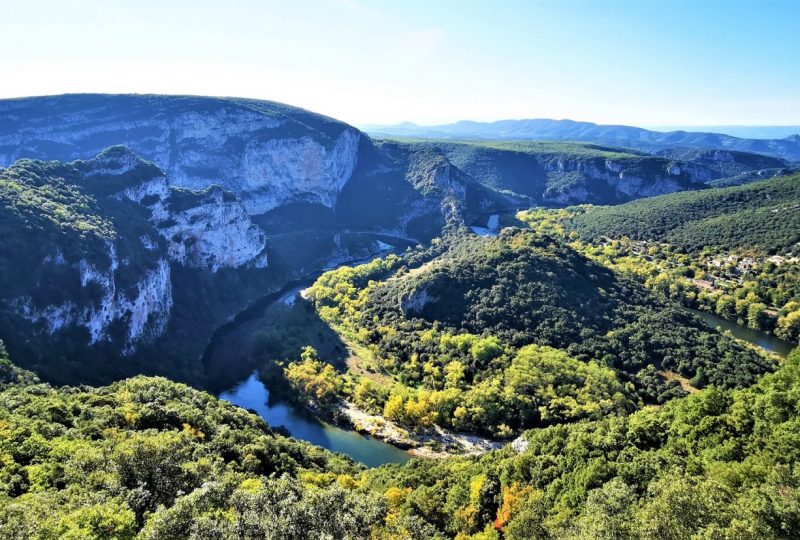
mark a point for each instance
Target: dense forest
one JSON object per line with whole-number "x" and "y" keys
{"x": 761, "y": 217}
{"x": 497, "y": 335}
{"x": 717, "y": 464}
{"x": 729, "y": 251}
{"x": 149, "y": 458}
{"x": 551, "y": 367}
{"x": 157, "y": 459}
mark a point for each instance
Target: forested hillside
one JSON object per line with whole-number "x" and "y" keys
{"x": 498, "y": 335}
{"x": 763, "y": 216}
{"x": 734, "y": 252}
{"x": 568, "y": 173}
{"x": 157, "y": 459}
{"x": 148, "y": 458}
{"x": 717, "y": 464}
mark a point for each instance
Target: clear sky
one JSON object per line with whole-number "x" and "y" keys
{"x": 640, "y": 63}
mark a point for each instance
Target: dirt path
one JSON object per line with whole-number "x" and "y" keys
{"x": 684, "y": 382}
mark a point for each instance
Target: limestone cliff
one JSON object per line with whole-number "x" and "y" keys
{"x": 101, "y": 236}
{"x": 604, "y": 180}
{"x": 143, "y": 311}
{"x": 266, "y": 153}
{"x": 213, "y": 232}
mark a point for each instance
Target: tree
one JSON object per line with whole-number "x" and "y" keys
{"x": 756, "y": 316}
{"x": 788, "y": 327}
{"x": 314, "y": 378}
{"x": 726, "y": 306}
{"x": 607, "y": 513}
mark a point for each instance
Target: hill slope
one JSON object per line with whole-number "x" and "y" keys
{"x": 762, "y": 216}
{"x": 495, "y": 335}
{"x": 89, "y": 252}
{"x": 566, "y": 173}
{"x": 714, "y": 464}
{"x": 266, "y": 153}
{"x": 152, "y": 456}
{"x": 147, "y": 458}
{"x": 731, "y": 251}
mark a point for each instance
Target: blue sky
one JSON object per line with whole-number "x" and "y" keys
{"x": 640, "y": 63}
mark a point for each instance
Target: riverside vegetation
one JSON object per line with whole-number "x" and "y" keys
{"x": 523, "y": 335}
{"x": 733, "y": 252}
{"x": 494, "y": 336}
{"x": 608, "y": 410}
{"x": 149, "y": 458}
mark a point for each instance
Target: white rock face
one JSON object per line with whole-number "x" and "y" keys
{"x": 634, "y": 187}
{"x": 209, "y": 229}
{"x": 153, "y": 194}
{"x": 674, "y": 169}
{"x": 145, "y": 313}
{"x": 265, "y": 153}
{"x": 618, "y": 176}
{"x": 282, "y": 170}
{"x": 122, "y": 162}
{"x": 413, "y": 303}
{"x": 520, "y": 444}
{"x": 213, "y": 231}
{"x": 444, "y": 178}
{"x": 214, "y": 234}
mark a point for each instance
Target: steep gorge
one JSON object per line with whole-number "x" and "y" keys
{"x": 170, "y": 214}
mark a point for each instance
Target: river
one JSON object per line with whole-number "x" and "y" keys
{"x": 252, "y": 394}
{"x": 763, "y": 340}
{"x": 229, "y": 351}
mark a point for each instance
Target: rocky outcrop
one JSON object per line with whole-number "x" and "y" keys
{"x": 278, "y": 171}
{"x": 114, "y": 278}
{"x": 204, "y": 229}
{"x": 520, "y": 444}
{"x": 266, "y": 153}
{"x": 215, "y": 232}
{"x": 573, "y": 181}
{"x": 143, "y": 311}
{"x": 412, "y": 303}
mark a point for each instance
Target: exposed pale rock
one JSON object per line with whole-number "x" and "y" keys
{"x": 266, "y": 153}
{"x": 277, "y": 171}
{"x": 520, "y": 444}
{"x": 215, "y": 233}
{"x": 618, "y": 176}
{"x": 145, "y": 313}
{"x": 413, "y": 303}
{"x": 208, "y": 229}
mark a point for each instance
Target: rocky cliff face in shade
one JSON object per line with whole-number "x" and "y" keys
{"x": 115, "y": 262}
{"x": 559, "y": 173}
{"x": 600, "y": 181}
{"x": 143, "y": 310}
{"x": 266, "y": 153}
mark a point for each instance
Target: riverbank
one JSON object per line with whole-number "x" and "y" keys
{"x": 436, "y": 442}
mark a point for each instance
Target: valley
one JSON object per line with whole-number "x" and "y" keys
{"x": 406, "y": 338}
{"x": 417, "y": 270}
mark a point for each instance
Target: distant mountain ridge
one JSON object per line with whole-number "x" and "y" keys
{"x": 743, "y": 132}
{"x": 571, "y": 130}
